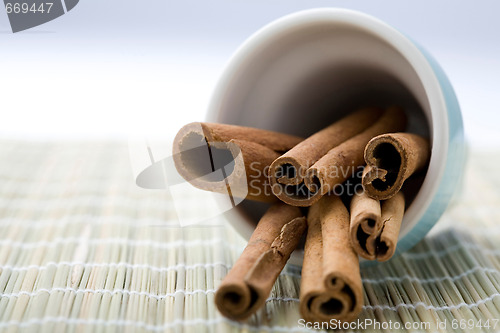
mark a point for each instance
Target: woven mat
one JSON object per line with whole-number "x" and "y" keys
{"x": 83, "y": 249}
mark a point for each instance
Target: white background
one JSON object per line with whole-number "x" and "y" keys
{"x": 110, "y": 68}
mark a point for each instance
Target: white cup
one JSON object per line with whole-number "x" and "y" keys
{"x": 303, "y": 71}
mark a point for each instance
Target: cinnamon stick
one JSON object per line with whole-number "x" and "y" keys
{"x": 341, "y": 162}
{"x": 331, "y": 285}
{"x": 229, "y": 159}
{"x": 391, "y": 159}
{"x": 287, "y": 172}
{"x": 248, "y": 284}
{"x": 365, "y": 226}
{"x": 375, "y": 226}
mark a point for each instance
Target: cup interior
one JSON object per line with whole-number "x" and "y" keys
{"x": 303, "y": 72}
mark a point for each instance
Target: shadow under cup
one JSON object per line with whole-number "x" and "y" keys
{"x": 304, "y": 71}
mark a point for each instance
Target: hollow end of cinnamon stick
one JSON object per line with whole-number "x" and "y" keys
{"x": 234, "y": 300}
{"x": 323, "y": 306}
{"x": 236, "y": 166}
{"x": 286, "y": 170}
{"x": 347, "y": 301}
{"x": 391, "y": 159}
{"x": 364, "y": 242}
{"x": 196, "y": 158}
{"x": 193, "y": 155}
{"x": 377, "y": 243}
{"x": 385, "y": 249}
{"x": 329, "y": 306}
{"x": 365, "y": 224}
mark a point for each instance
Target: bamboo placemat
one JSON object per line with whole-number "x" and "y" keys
{"x": 83, "y": 249}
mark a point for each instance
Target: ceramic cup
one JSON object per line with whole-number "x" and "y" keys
{"x": 305, "y": 70}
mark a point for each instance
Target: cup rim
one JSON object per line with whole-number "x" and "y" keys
{"x": 438, "y": 121}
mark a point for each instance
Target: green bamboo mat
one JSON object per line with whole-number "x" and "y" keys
{"x": 83, "y": 249}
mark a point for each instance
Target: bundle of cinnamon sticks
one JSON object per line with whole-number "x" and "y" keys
{"x": 301, "y": 178}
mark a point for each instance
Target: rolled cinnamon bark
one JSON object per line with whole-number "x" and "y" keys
{"x": 377, "y": 242}
{"x": 229, "y": 159}
{"x": 391, "y": 159}
{"x": 331, "y": 285}
{"x": 249, "y": 282}
{"x": 392, "y": 216}
{"x": 341, "y": 162}
{"x": 365, "y": 226}
{"x": 288, "y": 171}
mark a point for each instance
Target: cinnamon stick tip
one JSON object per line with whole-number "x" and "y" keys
{"x": 319, "y": 307}
{"x": 391, "y": 159}
{"x": 285, "y": 170}
{"x": 233, "y": 300}
{"x": 385, "y": 250}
